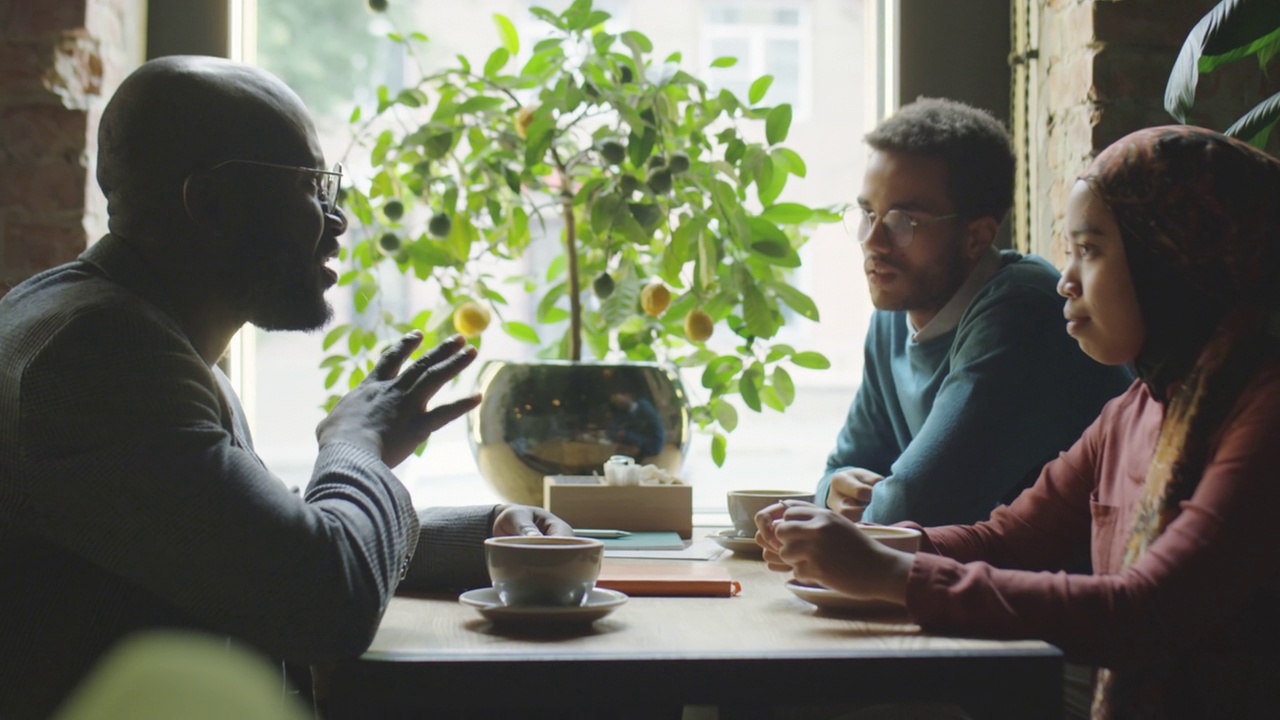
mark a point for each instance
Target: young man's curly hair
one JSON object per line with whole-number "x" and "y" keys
{"x": 975, "y": 146}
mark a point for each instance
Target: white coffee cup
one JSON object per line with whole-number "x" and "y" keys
{"x": 543, "y": 571}
{"x": 744, "y": 504}
{"x": 898, "y": 538}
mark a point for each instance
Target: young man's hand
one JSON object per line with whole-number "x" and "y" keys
{"x": 850, "y": 492}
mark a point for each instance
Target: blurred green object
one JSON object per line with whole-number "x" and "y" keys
{"x": 1232, "y": 30}
{"x": 168, "y": 675}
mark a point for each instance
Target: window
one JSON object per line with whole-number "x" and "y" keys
{"x": 823, "y": 58}
{"x": 768, "y": 38}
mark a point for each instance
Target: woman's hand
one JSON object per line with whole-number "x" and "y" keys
{"x": 822, "y": 547}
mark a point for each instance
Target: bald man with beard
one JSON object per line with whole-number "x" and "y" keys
{"x": 130, "y": 494}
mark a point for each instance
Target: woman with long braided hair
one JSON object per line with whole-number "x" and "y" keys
{"x": 1174, "y": 491}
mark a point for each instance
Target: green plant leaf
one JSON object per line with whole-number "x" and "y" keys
{"x": 726, "y": 414}
{"x": 1255, "y": 127}
{"x": 1227, "y": 29}
{"x": 811, "y": 360}
{"x": 621, "y": 305}
{"x": 724, "y": 62}
{"x": 759, "y": 88}
{"x": 796, "y": 300}
{"x": 719, "y": 445}
{"x": 478, "y": 104}
{"x": 521, "y": 332}
{"x": 790, "y": 159}
{"x": 497, "y": 60}
{"x": 334, "y": 335}
{"x": 638, "y": 43}
{"x": 720, "y": 371}
{"x": 603, "y": 211}
{"x": 757, "y": 312}
{"x": 769, "y": 396}
{"x": 647, "y": 214}
{"x": 787, "y": 214}
{"x": 749, "y": 387}
{"x": 547, "y": 305}
{"x": 784, "y": 386}
{"x": 777, "y": 124}
{"x": 507, "y": 32}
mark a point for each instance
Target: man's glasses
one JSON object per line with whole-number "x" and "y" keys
{"x": 859, "y": 222}
{"x": 328, "y": 182}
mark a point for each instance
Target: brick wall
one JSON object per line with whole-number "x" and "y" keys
{"x": 59, "y": 60}
{"x": 1100, "y": 73}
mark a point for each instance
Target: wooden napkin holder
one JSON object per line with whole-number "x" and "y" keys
{"x": 585, "y": 501}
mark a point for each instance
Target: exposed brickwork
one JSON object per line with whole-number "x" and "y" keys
{"x": 59, "y": 59}
{"x": 1101, "y": 73}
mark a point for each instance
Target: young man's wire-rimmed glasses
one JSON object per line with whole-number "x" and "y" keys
{"x": 859, "y": 221}
{"x": 328, "y": 182}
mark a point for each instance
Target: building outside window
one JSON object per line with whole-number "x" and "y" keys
{"x": 823, "y": 57}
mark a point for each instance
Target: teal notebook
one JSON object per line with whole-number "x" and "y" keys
{"x": 645, "y": 541}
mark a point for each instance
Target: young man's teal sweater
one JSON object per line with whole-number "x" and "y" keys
{"x": 964, "y": 420}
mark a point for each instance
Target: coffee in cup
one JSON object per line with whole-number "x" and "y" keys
{"x": 535, "y": 570}
{"x": 744, "y": 504}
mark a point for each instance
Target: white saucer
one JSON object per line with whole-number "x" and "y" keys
{"x": 829, "y": 599}
{"x": 731, "y": 540}
{"x": 599, "y": 602}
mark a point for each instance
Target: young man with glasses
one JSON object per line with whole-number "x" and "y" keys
{"x": 130, "y": 494}
{"x": 970, "y": 381}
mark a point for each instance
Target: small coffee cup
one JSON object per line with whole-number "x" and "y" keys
{"x": 898, "y": 538}
{"x": 543, "y": 571}
{"x": 744, "y": 504}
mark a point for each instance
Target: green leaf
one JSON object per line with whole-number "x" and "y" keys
{"x": 355, "y": 115}
{"x": 1232, "y": 29}
{"x": 759, "y": 88}
{"x": 1255, "y": 127}
{"x": 777, "y": 124}
{"x": 724, "y": 62}
{"x": 719, "y": 444}
{"x": 603, "y": 211}
{"x": 796, "y": 300}
{"x": 756, "y": 312}
{"x": 647, "y": 214}
{"x": 507, "y": 32}
{"x": 478, "y": 104}
{"x": 787, "y": 214}
{"x": 547, "y": 305}
{"x": 791, "y": 159}
{"x": 521, "y": 332}
{"x": 749, "y": 388}
{"x": 784, "y": 386}
{"x": 720, "y": 371}
{"x": 769, "y": 396}
{"x": 334, "y": 336}
{"x": 621, "y": 305}
{"x": 496, "y": 62}
{"x": 726, "y": 414}
{"x": 638, "y": 43}
{"x": 811, "y": 360}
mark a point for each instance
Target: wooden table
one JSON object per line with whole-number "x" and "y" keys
{"x": 434, "y": 657}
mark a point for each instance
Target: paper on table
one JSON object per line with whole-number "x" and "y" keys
{"x": 668, "y": 579}
{"x": 645, "y": 541}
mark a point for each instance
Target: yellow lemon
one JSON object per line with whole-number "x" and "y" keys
{"x": 524, "y": 118}
{"x": 698, "y": 325}
{"x": 655, "y": 297}
{"x": 471, "y": 318}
